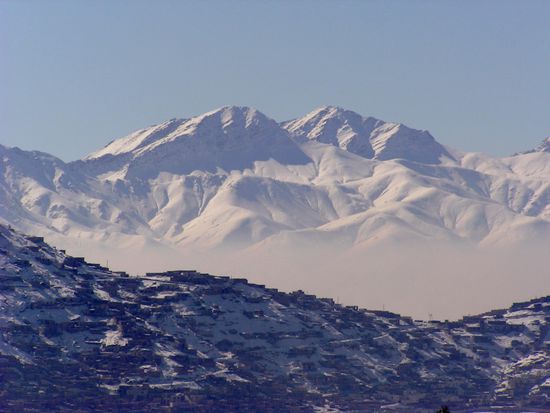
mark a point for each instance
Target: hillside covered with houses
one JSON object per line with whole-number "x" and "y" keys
{"x": 76, "y": 336}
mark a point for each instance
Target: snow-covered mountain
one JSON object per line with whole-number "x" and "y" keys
{"x": 76, "y": 336}
{"x": 231, "y": 138}
{"x": 543, "y": 147}
{"x": 367, "y": 137}
{"x": 235, "y": 180}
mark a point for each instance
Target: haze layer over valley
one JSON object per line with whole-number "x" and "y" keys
{"x": 369, "y": 212}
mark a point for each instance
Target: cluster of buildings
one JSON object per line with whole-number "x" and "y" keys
{"x": 76, "y": 335}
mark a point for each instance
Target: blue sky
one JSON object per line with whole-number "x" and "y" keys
{"x": 76, "y": 74}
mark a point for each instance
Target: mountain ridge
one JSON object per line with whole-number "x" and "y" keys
{"x": 234, "y": 181}
{"x": 543, "y": 147}
{"x": 227, "y": 138}
{"x": 368, "y": 137}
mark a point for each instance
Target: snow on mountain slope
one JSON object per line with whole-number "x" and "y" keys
{"x": 520, "y": 182}
{"x": 42, "y": 194}
{"x": 543, "y": 147}
{"x": 228, "y": 138}
{"x": 76, "y": 336}
{"x": 137, "y": 140}
{"x": 368, "y": 137}
{"x": 235, "y": 180}
{"x": 32, "y": 182}
{"x": 234, "y": 175}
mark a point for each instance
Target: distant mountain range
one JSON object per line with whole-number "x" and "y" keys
{"x": 76, "y": 336}
{"x": 234, "y": 180}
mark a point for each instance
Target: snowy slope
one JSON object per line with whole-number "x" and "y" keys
{"x": 367, "y": 137}
{"x": 177, "y": 182}
{"x": 230, "y": 138}
{"x": 77, "y": 337}
{"x": 41, "y": 192}
{"x": 543, "y": 147}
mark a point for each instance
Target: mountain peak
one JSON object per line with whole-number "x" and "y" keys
{"x": 228, "y": 117}
{"x": 230, "y": 137}
{"x": 325, "y": 113}
{"x": 366, "y": 136}
{"x": 544, "y": 146}
{"x": 235, "y": 110}
{"x": 335, "y": 126}
{"x": 330, "y": 110}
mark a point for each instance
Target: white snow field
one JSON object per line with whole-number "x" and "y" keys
{"x": 369, "y": 212}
